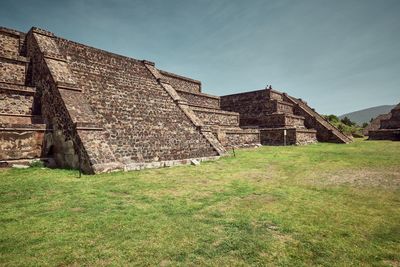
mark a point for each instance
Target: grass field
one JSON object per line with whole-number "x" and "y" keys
{"x": 323, "y": 204}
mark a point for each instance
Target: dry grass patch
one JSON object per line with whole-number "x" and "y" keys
{"x": 389, "y": 179}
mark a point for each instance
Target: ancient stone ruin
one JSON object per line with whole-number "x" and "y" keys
{"x": 375, "y": 124}
{"x": 275, "y": 113}
{"x": 86, "y": 108}
{"x": 389, "y": 128}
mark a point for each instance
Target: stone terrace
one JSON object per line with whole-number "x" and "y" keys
{"x": 87, "y": 108}
{"x": 99, "y": 111}
{"x": 22, "y": 130}
{"x": 275, "y": 113}
{"x": 223, "y": 124}
{"x": 389, "y": 127}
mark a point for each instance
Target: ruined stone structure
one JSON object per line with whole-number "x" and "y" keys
{"x": 375, "y": 124}
{"x": 88, "y": 108}
{"x": 275, "y": 113}
{"x": 389, "y": 127}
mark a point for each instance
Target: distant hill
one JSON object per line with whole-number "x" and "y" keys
{"x": 365, "y": 115}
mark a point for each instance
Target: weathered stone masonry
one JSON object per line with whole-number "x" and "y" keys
{"x": 389, "y": 128}
{"x": 21, "y": 129}
{"x": 101, "y": 111}
{"x": 88, "y": 108}
{"x": 274, "y": 113}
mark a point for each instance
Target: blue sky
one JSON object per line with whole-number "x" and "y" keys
{"x": 340, "y": 56}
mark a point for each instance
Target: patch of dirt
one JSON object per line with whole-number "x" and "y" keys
{"x": 252, "y": 201}
{"x": 120, "y": 193}
{"x": 392, "y": 263}
{"x": 269, "y": 173}
{"x": 165, "y": 263}
{"x": 280, "y": 237}
{"x": 361, "y": 177}
{"x": 78, "y": 209}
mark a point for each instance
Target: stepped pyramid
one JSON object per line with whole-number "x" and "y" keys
{"x": 281, "y": 119}
{"x": 81, "y": 107}
{"x": 389, "y": 127}
{"x": 88, "y": 108}
{"x": 375, "y": 124}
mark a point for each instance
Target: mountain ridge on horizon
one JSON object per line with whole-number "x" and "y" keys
{"x": 365, "y": 115}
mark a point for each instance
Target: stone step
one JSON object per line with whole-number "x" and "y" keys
{"x": 24, "y": 127}
{"x": 16, "y": 88}
{"x": 10, "y": 118}
{"x": 279, "y": 120}
{"x": 294, "y": 136}
{"x": 234, "y": 129}
{"x": 326, "y": 131}
{"x": 48, "y": 162}
{"x": 278, "y": 106}
{"x": 200, "y": 100}
{"x": 236, "y": 137}
{"x": 211, "y": 116}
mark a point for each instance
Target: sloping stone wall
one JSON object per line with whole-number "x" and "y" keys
{"x": 326, "y": 132}
{"x": 141, "y": 120}
{"x": 64, "y": 109}
{"x": 224, "y": 124}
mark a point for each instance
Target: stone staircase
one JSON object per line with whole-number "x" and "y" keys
{"x": 224, "y": 125}
{"x": 325, "y": 130}
{"x": 22, "y": 131}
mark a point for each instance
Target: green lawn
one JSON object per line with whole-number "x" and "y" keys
{"x": 323, "y": 204}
